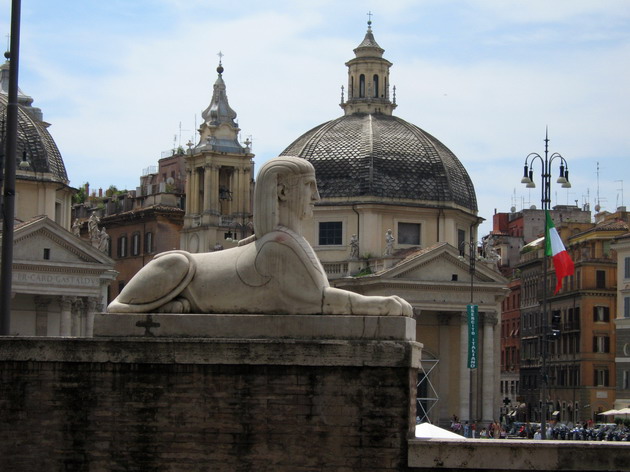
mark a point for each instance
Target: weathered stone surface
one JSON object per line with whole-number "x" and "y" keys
{"x": 154, "y": 404}
{"x": 517, "y": 455}
{"x": 255, "y": 326}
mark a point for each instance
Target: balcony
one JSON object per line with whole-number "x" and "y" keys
{"x": 335, "y": 270}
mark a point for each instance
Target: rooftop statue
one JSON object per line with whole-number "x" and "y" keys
{"x": 275, "y": 271}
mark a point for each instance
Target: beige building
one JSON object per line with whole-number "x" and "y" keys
{"x": 621, "y": 245}
{"x": 398, "y": 215}
{"x": 219, "y": 180}
{"x": 58, "y": 280}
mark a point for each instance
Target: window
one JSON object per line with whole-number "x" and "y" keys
{"x": 375, "y": 81}
{"x": 135, "y": 244}
{"x": 601, "y": 377}
{"x": 625, "y": 383}
{"x": 601, "y": 278}
{"x": 601, "y": 313}
{"x": 148, "y": 242}
{"x": 409, "y": 233}
{"x": 330, "y": 233}
{"x": 601, "y": 344}
{"x": 461, "y": 240}
{"x": 626, "y": 271}
{"x": 122, "y": 246}
{"x": 576, "y": 318}
{"x": 362, "y": 86}
{"x": 58, "y": 212}
{"x": 46, "y": 253}
{"x": 626, "y": 307}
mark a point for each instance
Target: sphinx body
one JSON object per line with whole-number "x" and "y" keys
{"x": 275, "y": 272}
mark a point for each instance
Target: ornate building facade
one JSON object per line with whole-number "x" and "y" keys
{"x": 219, "y": 179}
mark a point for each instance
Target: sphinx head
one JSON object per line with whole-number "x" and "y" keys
{"x": 285, "y": 193}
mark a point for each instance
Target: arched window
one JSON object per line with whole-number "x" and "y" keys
{"x": 362, "y": 86}
{"x": 375, "y": 81}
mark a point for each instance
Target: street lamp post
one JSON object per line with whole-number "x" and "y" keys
{"x": 527, "y": 179}
{"x": 8, "y": 204}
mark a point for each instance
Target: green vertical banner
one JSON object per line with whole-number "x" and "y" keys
{"x": 473, "y": 335}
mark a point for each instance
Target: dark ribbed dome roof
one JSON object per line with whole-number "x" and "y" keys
{"x": 376, "y": 155}
{"x": 33, "y": 137}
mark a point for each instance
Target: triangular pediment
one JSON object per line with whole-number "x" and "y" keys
{"x": 41, "y": 240}
{"x": 441, "y": 263}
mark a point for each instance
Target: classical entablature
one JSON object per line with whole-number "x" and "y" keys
{"x": 59, "y": 281}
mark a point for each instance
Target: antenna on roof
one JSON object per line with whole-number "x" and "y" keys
{"x": 597, "y": 205}
{"x": 621, "y": 189}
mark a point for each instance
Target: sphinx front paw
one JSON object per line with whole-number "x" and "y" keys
{"x": 178, "y": 305}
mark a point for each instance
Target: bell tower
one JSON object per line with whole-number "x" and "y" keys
{"x": 219, "y": 179}
{"x": 368, "y": 79}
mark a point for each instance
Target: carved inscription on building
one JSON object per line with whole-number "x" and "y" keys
{"x": 55, "y": 279}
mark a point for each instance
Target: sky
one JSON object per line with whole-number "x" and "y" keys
{"x": 122, "y": 82}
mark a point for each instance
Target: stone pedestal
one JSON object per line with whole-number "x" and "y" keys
{"x": 216, "y": 392}
{"x": 238, "y": 326}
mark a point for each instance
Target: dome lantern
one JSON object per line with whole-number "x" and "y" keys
{"x": 368, "y": 79}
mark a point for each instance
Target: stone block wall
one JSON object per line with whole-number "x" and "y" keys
{"x": 166, "y": 405}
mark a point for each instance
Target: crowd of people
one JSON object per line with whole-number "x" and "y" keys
{"x": 554, "y": 430}
{"x": 494, "y": 429}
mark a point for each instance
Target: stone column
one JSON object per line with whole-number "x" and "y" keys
{"x": 188, "y": 188}
{"x": 246, "y": 190}
{"x": 92, "y": 304}
{"x": 77, "y": 308}
{"x": 464, "y": 372}
{"x": 65, "y": 320}
{"x": 238, "y": 191}
{"x": 232, "y": 187}
{"x": 207, "y": 188}
{"x": 487, "y": 363}
{"x": 41, "y": 315}
{"x": 214, "y": 192}
{"x": 194, "y": 190}
{"x": 445, "y": 366}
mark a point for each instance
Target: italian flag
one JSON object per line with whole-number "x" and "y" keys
{"x": 555, "y": 249}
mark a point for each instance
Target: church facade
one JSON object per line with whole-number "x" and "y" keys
{"x": 398, "y": 215}
{"x": 59, "y": 281}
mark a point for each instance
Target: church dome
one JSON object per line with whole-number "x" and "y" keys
{"x": 33, "y": 137}
{"x": 377, "y": 155}
{"x": 368, "y": 152}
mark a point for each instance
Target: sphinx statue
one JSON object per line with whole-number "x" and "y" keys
{"x": 275, "y": 271}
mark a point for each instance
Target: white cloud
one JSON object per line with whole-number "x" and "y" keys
{"x": 484, "y": 77}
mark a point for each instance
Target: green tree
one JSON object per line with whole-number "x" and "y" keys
{"x": 81, "y": 196}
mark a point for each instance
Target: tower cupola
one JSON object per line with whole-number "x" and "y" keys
{"x": 219, "y": 131}
{"x": 368, "y": 79}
